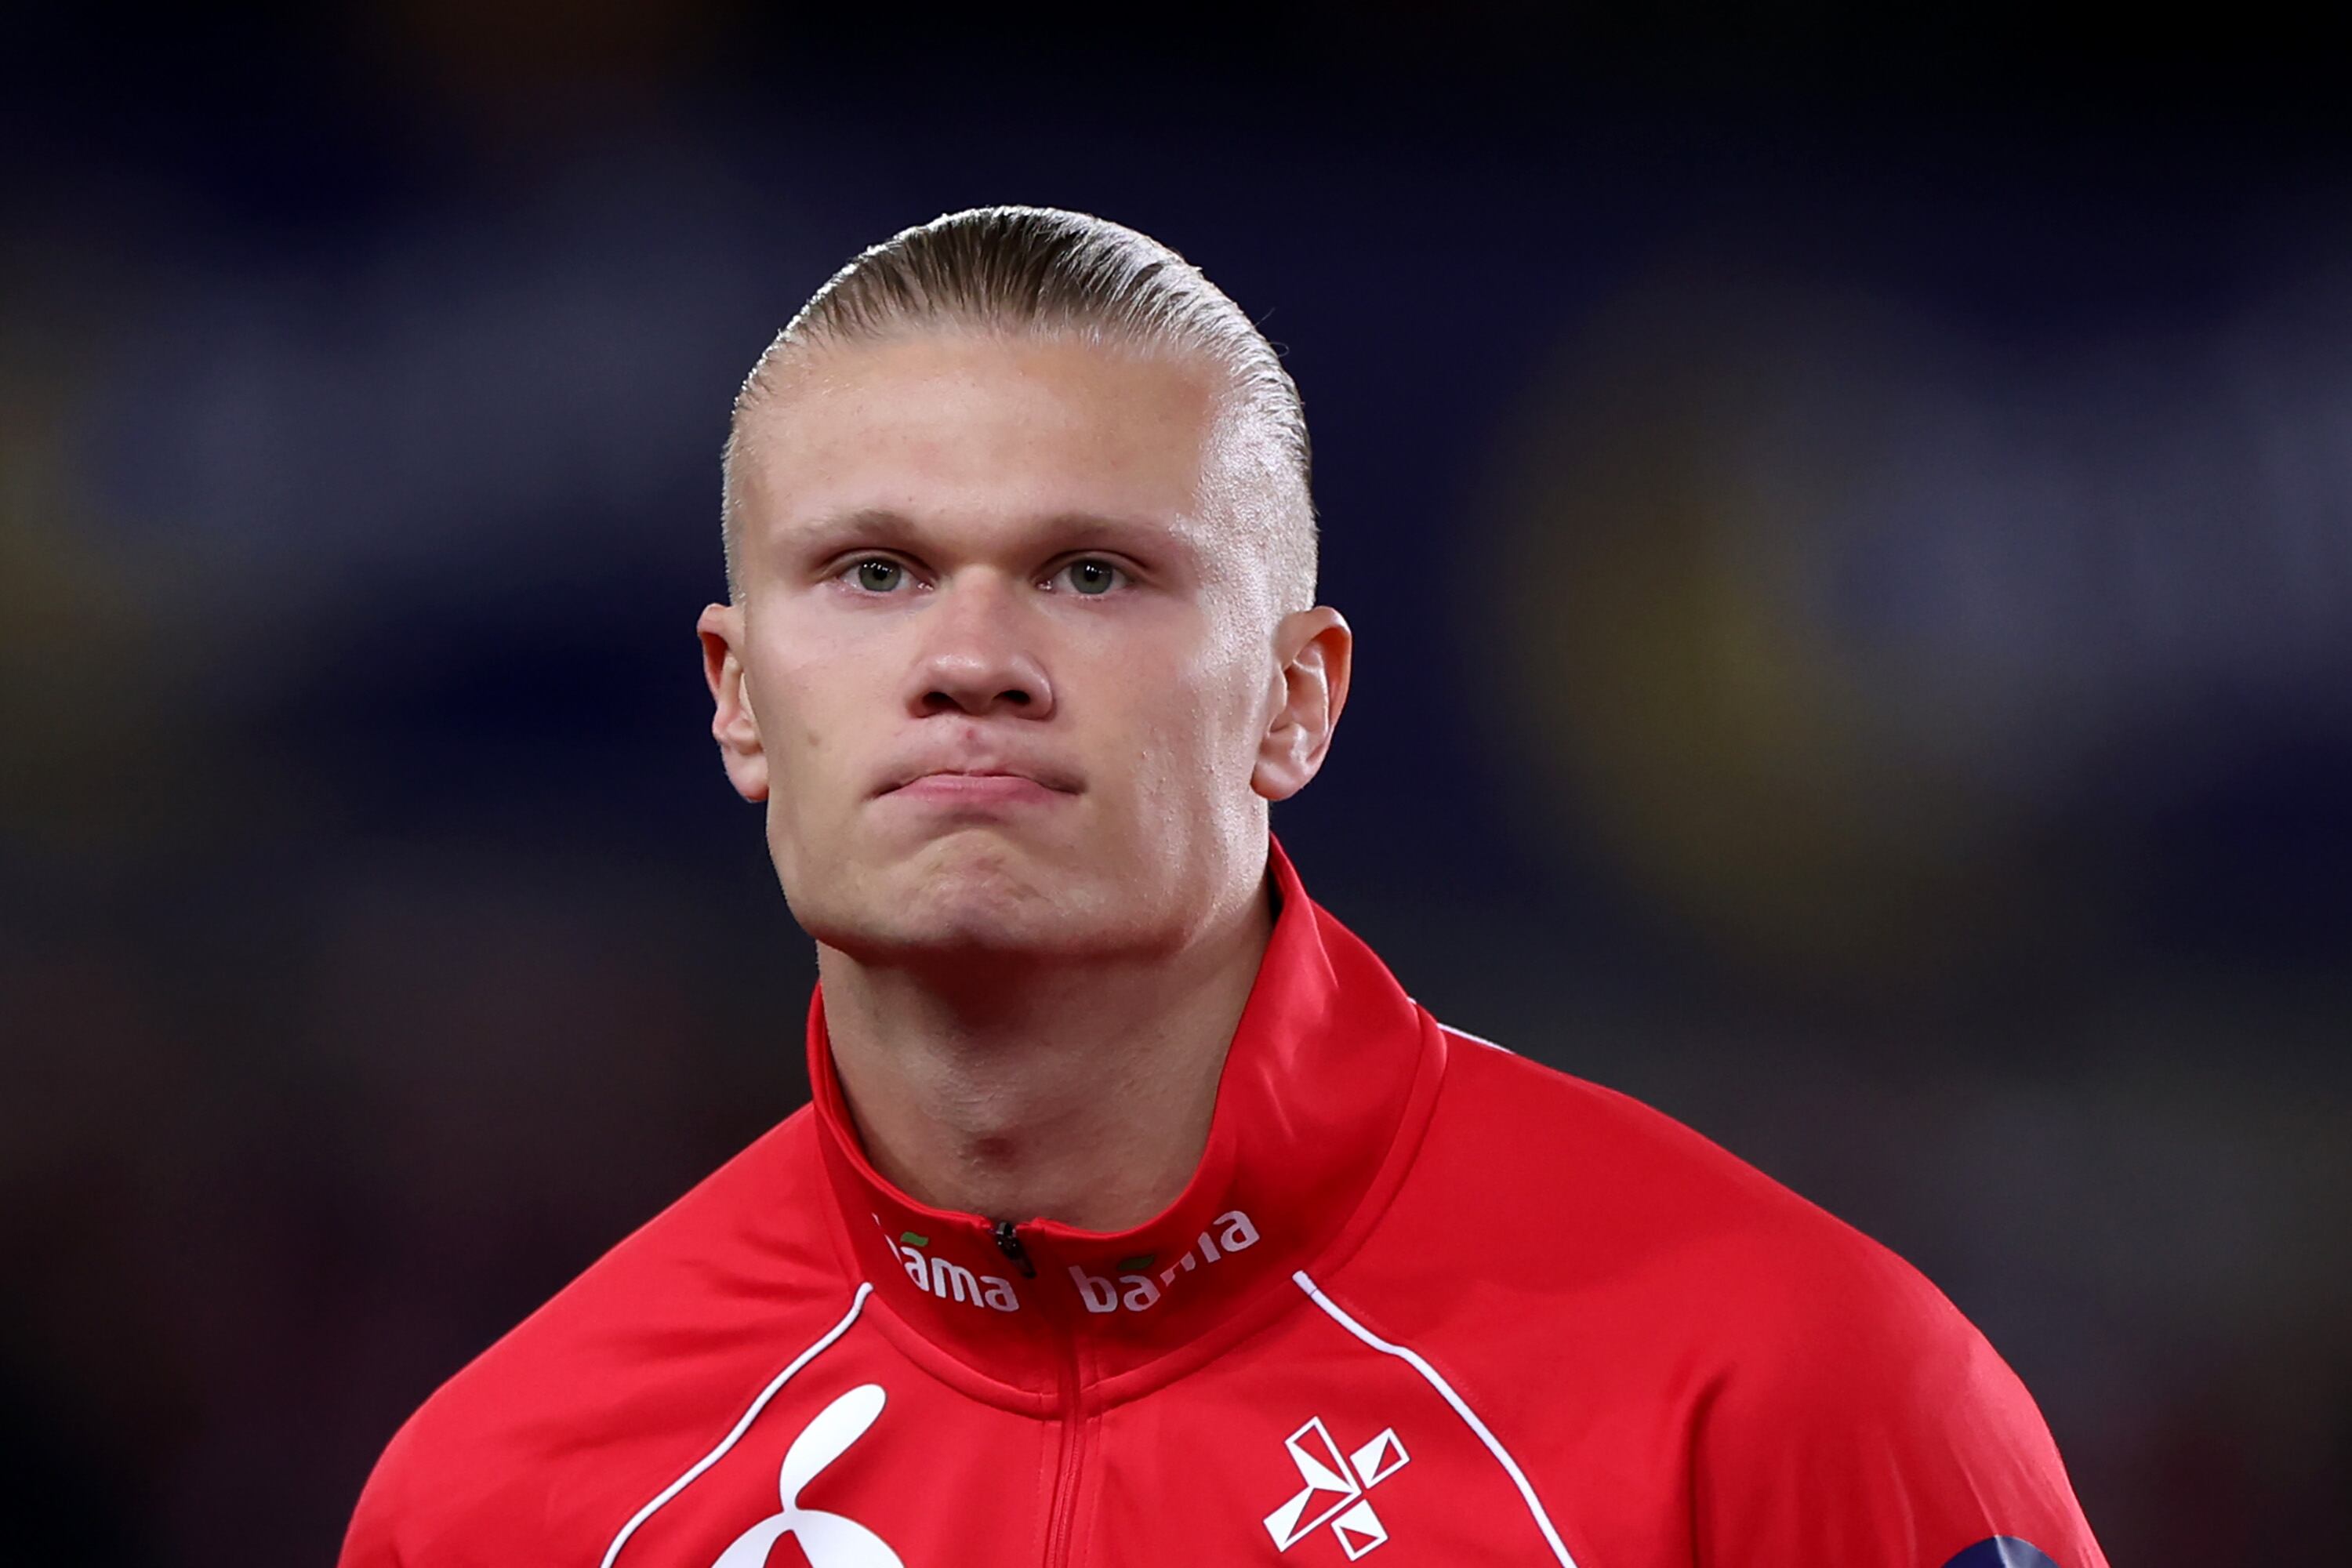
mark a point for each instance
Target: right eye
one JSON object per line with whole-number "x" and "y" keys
{"x": 877, "y": 575}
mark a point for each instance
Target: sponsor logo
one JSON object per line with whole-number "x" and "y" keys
{"x": 826, "y": 1540}
{"x": 1335, "y": 1489}
{"x": 1136, "y": 1286}
{"x": 949, "y": 1281}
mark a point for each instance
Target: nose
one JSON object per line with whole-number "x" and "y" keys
{"x": 978, "y": 654}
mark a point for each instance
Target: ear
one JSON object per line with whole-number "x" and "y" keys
{"x": 1313, "y": 654}
{"x": 732, "y": 723}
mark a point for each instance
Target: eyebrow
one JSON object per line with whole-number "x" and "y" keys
{"x": 833, "y": 526}
{"x": 886, "y": 524}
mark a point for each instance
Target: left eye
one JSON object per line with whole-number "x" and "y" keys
{"x": 1090, "y": 578}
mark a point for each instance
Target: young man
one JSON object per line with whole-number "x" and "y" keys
{"x": 1140, "y": 1219}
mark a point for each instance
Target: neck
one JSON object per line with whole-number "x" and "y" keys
{"x": 1075, "y": 1091}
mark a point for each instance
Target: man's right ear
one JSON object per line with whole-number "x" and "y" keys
{"x": 732, "y": 723}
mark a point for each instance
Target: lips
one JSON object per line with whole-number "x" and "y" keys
{"x": 988, "y": 792}
{"x": 979, "y": 778}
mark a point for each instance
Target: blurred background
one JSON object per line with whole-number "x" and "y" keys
{"x": 1849, "y": 534}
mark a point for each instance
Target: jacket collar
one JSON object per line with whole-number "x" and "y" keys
{"x": 1328, "y": 1061}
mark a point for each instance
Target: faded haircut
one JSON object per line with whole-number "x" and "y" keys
{"x": 1056, "y": 274}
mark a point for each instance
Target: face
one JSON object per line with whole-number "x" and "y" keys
{"x": 1008, "y": 670}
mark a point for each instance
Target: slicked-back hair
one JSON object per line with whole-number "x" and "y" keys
{"x": 1064, "y": 275}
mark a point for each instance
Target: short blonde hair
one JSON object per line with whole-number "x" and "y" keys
{"x": 1052, "y": 271}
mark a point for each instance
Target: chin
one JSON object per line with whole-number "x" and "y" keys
{"x": 972, "y": 893}
{"x": 985, "y": 904}
{"x": 962, "y": 926}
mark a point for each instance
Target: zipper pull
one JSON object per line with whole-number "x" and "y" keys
{"x": 1008, "y": 1242}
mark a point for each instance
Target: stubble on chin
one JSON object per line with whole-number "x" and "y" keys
{"x": 961, "y": 896}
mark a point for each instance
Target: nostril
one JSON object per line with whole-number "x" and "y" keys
{"x": 960, "y": 700}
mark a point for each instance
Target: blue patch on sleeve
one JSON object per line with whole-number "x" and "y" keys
{"x": 2002, "y": 1551}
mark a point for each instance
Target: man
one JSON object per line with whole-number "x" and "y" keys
{"x": 1139, "y": 1217}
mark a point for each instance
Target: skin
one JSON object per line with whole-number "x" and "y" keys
{"x": 1008, "y": 671}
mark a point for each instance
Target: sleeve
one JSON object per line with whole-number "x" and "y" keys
{"x": 368, "y": 1542}
{"x": 1868, "y": 1425}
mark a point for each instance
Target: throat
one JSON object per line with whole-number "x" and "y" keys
{"x": 1101, "y": 1138}
{"x": 1085, "y": 1102}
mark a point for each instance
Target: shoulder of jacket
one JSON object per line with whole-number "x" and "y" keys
{"x": 1611, "y": 1185}
{"x": 740, "y": 1239}
{"x": 1553, "y": 1129}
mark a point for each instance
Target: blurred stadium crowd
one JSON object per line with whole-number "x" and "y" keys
{"x": 1855, "y": 602}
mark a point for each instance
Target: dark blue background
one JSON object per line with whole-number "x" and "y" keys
{"x": 1850, "y": 532}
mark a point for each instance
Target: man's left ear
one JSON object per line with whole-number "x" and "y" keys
{"x": 1314, "y": 652}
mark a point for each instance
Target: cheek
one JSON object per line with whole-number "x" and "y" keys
{"x": 805, "y": 703}
{"x": 1200, "y": 718}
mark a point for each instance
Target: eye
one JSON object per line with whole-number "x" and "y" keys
{"x": 1090, "y": 577}
{"x": 877, "y": 575}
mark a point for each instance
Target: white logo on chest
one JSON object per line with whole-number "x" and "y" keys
{"x": 1335, "y": 1489}
{"x": 829, "y": 1539}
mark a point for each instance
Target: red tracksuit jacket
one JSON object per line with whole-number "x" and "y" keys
{"x": 1423, "y": 1298}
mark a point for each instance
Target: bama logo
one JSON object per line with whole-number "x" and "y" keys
{"x": 949, "y": 1281}
{"x": 1137, "y": 1290}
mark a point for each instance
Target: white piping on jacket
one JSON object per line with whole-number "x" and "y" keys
{"x": 865, "y": 1288}
{"x": 1446, "y": 1389}
{"x": 1478, "y": 1040}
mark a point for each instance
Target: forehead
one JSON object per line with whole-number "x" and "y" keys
{"x": 970, "y": 425}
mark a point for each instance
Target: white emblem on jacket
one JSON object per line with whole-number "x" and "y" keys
{"x": 829, "y": 1539}
{"x": 1335, "y": 1489}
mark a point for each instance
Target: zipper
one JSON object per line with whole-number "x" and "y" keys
{"x": 1061, "y": 1521}
{"x": 1008, "y": 1242}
